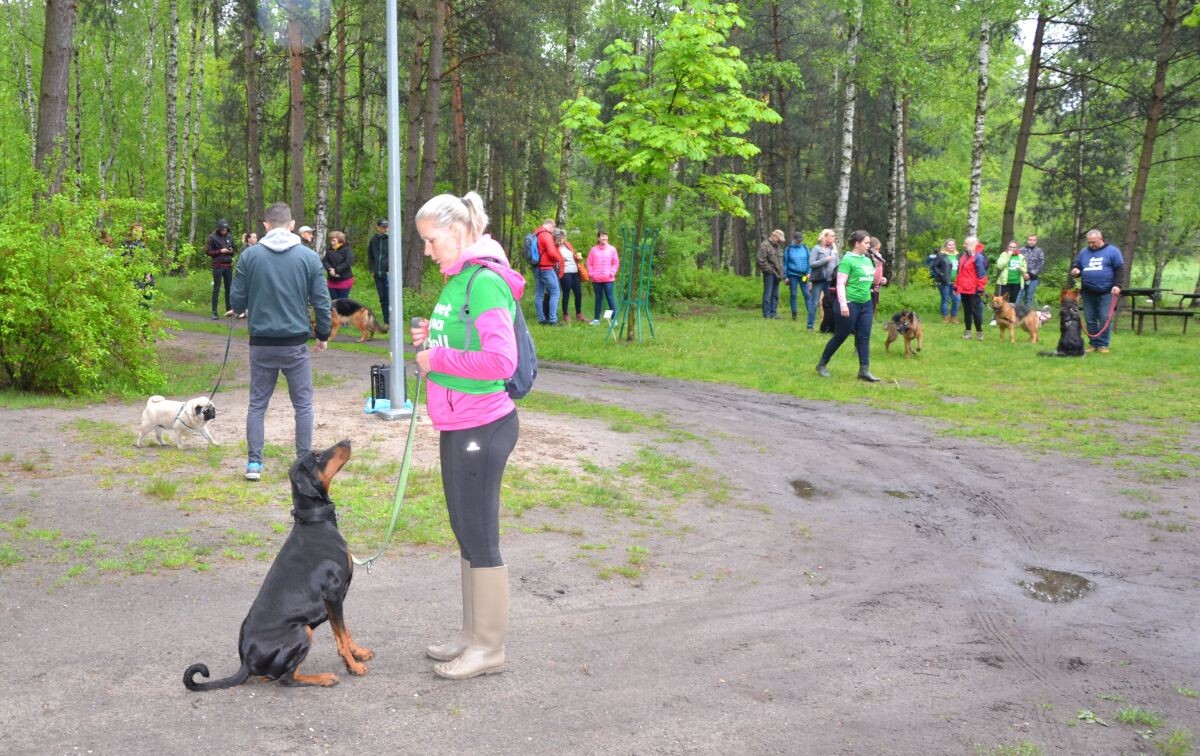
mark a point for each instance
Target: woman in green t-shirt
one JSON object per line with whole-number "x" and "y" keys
{"x": 856, "y": 275}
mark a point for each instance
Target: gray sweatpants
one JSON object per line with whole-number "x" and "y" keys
{"x": 266, "y": 363}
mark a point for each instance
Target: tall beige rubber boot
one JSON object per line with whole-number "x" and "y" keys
{"x": 456, "y": 645}
{"x": 489, "y": 601}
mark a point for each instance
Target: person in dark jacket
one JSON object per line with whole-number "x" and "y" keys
{"x": 220, "y": 250}
{"x": 1035, "y": 259}
{"x": 1098, "y": 266}
{"x": 377, "y": 263}
{"x": 339, "y": 266}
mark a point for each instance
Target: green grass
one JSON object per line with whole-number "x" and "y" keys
{"x": 1024, "y": 748}
{"x": 1133, "y": 715}
{"x": 1177, "y": 743}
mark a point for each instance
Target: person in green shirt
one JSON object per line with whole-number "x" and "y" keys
{"x": 1012, "y": 271}
{"x": 856, "y": 275}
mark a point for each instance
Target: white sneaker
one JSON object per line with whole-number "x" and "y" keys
{"x": 594, "y": 322}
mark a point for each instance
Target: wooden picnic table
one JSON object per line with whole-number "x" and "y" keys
{"x": 1186, "y": 298}
{"x": 1133, "y": 293}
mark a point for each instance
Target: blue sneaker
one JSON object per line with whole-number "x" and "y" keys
{"x": 253, "y": 470}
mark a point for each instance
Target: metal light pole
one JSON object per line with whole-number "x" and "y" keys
{"x": 400, "y": 406}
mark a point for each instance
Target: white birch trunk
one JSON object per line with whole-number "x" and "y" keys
{"x": 28, "y": 98}
{"x": 145, "y": 132}
{"x": 977, "y": 140}
{"x": 186, "y": 168}
{"x": 197, "y": 110}
{"x": 324, "y": 86}
{"x": 172, "y": 136}
{"x": 850, "y": 97}
{"x": 77, "y": 135}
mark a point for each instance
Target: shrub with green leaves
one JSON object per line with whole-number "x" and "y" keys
{"x": 71, "y": 319}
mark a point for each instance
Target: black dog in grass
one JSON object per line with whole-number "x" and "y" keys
{"x": 305, "y": 586}
{"x": 1070, "y": 339}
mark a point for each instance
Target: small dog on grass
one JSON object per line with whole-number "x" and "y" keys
{"x": 1070, "y": 327}
{"x": 347, "y": 312}
{"x": 905, "y": 323}
{"x": 1009, "y": 316}
{"x": 192, "y": 416}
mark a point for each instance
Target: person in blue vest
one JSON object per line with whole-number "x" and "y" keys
{"x": 1098, "y": 266}
{"x": 796, "y": 269}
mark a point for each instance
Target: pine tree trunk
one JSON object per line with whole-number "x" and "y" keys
{"x": 255, "y": 204}
{"x": 459, "y": 170}
{"x": 171, "y": 232}
{"x": 1154, "y": 114}
{"x": 51, "y": 145}
{"x": 1008, "y": 227}
{"x": 414, "y": 266}
{"x": 296, "y": 119}
{"x": 412, "y": 148}
{"x": 850, "y": 98}
{"x": 977, "y": 142}
{"x": 340, "y": 121}
{"x": 564, "y": 164}
{"x": 324, "y": 85}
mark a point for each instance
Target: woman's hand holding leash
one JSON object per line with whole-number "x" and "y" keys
{"x": 420, "y": 334}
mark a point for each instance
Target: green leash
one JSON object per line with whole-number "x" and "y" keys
{"x": 401, "y": 484}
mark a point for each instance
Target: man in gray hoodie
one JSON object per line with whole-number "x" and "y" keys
{"x": 276, "y": 281}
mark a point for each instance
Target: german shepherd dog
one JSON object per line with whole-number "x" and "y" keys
{"x": 1070, "y": 328}
{"x": 347, "y": 312}
{"x": 305, "y": 586}
{"x": 905, "y": 323}
{"x": 1009, "y": 316}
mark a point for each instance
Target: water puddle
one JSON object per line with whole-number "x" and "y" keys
{"x": 1055, "y": 587}
{"x": 804, "y": 489}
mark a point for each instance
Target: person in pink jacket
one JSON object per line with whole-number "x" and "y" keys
{"x": 477, "y": 420}
{"x": 603, "y": 264}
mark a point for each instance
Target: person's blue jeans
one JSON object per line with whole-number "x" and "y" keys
{"x": 818, "y": 288}
{"x": 770, "y": 301}
{"x": 604, "y": 291}
{"x": 1095, "y": 316}
{"x": 857, "y": 322}
{"x": 950, "y": 300}
{"x": 795, "y": 283}
{"x": 385, "y": 302}
{"x": 1026, "y": 297}
{"x": 221, "y": 275}
{"x": 339, "y": 294}
{"x": 266, "y": 363}
{"x": 546, "y": 282}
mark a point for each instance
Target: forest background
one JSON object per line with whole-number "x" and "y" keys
{"x": 715, "y": 123}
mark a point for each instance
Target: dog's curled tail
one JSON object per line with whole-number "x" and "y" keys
{"x": 190, "y": 683}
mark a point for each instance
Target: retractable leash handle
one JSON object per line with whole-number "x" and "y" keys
{"x": 405, "y": 466}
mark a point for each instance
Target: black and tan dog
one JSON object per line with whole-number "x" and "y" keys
{"x": 905, "y": 323}
{"x": 1009, "y": 316}
{"x": 347, "y": 312}
{"x": 305, "y": 586}
{"x": 1070, "y": 327}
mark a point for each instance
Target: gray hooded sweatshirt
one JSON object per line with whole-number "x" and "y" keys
{"x": 277, "y": 280}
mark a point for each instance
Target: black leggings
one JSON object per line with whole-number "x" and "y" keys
{"x": 570, "y": 283}
{"x": 972, "y": 310}
{"x": 473, "y": 462}
{"x": 219, "y": 275}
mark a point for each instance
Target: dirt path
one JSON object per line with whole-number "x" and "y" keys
{"x": 858, "y": 593}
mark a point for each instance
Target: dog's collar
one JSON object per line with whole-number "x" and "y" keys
{"x": 324, "y": 513}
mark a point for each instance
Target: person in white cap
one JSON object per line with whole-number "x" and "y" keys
{"x": 306, "y": 233}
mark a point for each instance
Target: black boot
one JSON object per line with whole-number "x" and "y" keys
{"x": 822, "y": 370}
{"x": 864, "y": 374}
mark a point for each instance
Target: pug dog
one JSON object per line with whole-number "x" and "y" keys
{"x": 164, "y": 414}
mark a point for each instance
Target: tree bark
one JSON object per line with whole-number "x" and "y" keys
{"x": 77, "y": 133}
{"x": 564, "y": 164}
{"x": 52, "y": 104}
{"x": 412, "y": 148}
{"x": 415, "y": 265}
{"x": 144, "y": 134}
{"x": 1154, "y": 114}
{"x": 977, "y": 142}
{"x": 255, "y": 206}
{"x": 29, "y": 105}
{"x": 459, "y": 172}
{"x": 197, "y": 111}
{"x": 340, "y": 120}
{"x": 324, "y": 85}
{"x": 850, "y": 100}
{"x": 1008, "y": 226}
{"x": 296, "y": 120}
{"x": 171, "y": 232}
{"x": 785, "y": 147}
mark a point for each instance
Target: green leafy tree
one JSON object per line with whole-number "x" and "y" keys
{"x": 684, "y": 104}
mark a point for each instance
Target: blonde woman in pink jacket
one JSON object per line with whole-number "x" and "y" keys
{"x": 603, "y": 264}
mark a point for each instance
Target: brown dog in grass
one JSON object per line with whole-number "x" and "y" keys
{"x": 905, "y": 323}
{"x": 1009, "y": 316}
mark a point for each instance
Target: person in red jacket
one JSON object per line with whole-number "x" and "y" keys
{"x": 547, "y": 292}
{"x": 971, "y": 284}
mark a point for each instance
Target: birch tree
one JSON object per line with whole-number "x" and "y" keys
{"x": 977, "y": 139}
{"x": 172, "y": 221}
{"x": 849, "y": 97}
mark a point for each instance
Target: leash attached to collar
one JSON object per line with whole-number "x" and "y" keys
{"x": 401, "y": 483}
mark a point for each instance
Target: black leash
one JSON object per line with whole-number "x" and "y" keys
{"x": 220, "y": 375}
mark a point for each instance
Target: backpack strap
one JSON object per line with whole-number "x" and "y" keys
{"x": 464, "y": 312}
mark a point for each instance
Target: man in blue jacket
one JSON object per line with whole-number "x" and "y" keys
{"x": 276, "y": 281}
{"x": 796, "y": 268}
{"x": 1098, "y": 266}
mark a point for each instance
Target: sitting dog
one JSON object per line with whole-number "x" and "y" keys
{"x": 1070, "y": 327}
{"x": 305, "y": 586}
{"x": 905, "y": 323}
{"x": 348, "y": 312}
{"x": 828, "y": 303}
{"x": 1009, "y": 316}
{"x": 163, "y": 414}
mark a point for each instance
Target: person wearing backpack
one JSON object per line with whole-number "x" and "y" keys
{"x": 795, "y": 267}
{"x": 467, "y": 402}
{"x": 547, "y": 272}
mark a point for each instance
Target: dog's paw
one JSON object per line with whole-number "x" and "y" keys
{"x": 357, "y": 668}
{"x": 362, "y": 654}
